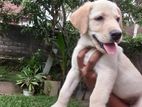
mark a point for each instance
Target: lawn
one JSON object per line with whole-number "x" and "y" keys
{"x": 7, "y": 75}
{"x": 32, "y": 101}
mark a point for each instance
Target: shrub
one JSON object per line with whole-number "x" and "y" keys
{"x": 132, "y": 46}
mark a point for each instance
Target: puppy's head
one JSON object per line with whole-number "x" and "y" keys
{"x": 101, "y": 21}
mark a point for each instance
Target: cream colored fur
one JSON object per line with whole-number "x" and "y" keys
{"x": 115, "y": 72}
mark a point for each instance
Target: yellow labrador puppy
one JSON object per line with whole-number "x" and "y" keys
{"x": 99, "y": 23}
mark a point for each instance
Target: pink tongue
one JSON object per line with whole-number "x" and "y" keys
{"x": 110, "y": 48}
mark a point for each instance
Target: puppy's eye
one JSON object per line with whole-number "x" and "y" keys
{"x": 99, "y": 18}
{"x": 118, "y": 19}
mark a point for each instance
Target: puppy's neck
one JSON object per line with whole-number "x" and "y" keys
{"x": 85, "y": 41}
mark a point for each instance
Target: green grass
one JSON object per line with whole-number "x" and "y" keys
{"x": 7, "y": 75}
{"x": 32, "y": 101}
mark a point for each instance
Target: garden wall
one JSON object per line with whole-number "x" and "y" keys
{"x": 16, "y": 44}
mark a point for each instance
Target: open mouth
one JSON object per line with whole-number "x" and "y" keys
{"x": 110, "y": 48}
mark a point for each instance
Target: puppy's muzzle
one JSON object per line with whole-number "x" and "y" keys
{"x": 115, "y": 35}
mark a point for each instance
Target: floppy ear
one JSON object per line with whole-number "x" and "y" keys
{"x": 79, "y": 18}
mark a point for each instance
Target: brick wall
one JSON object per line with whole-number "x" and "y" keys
{"x": 16, "y": 44}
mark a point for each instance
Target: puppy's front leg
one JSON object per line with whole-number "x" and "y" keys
{"x": 103, "y": 88}
{"x": 70, "y": 84}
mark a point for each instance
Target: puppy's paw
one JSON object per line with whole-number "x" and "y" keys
{"x": 97, "y": 105}
{"x": 58, "y": 105}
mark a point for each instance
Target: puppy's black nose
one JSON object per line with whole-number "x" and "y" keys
{"x": 115, "y": 35}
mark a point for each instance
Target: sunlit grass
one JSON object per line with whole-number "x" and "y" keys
{"x": 32, "y": 101}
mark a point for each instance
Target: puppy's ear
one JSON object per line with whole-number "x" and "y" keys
{"x": 79, "y": 18}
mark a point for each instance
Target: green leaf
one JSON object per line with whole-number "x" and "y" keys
{"x": 34, "y": 83}
{"x": 60, "y": 43}
{"x": 22, "y": 85}
{"x": 30, "y": 87}
{"x": 19, "y": 82}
